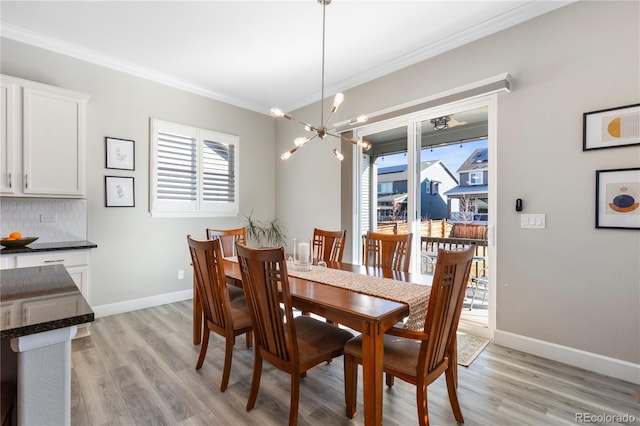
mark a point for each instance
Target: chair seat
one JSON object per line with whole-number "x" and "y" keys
{"x": 400, "y": 354}
{"x": 240, "y": 314}
{"x": 235, "y": 292}
{"x": 316, "y": 338}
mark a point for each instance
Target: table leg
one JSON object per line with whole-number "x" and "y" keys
{"x": 197, "y": 315}
{"x": 372, "y": 354}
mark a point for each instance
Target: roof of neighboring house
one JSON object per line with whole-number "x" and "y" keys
{"x": 468, "y": 190}
{"x": 392, "y": 198}
{"x": 399, "y": 172}
{"x": 478, "y": 160}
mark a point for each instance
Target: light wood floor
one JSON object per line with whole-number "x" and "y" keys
{"x": 138, "y": 368}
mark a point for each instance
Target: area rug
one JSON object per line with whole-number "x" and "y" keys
{"x": 469, "y": 347}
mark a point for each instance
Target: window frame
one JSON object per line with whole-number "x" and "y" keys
{"x": 480, "y": 181}
{"x": 199, "y": 207}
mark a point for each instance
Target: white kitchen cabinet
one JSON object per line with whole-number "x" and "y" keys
{"x": 43, "y": 140}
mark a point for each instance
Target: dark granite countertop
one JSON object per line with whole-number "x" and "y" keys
{"x": 39, "y": 247}
{"x": 38, "y": 299}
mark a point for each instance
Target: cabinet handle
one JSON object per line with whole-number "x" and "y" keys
{"x": 53, "y": 261}
{"x": 26, "y": 180}
{"x": 10, "y": 180}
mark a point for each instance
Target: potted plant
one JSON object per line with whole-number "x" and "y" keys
{"x": 265, "y": 234}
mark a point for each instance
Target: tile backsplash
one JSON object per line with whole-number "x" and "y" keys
{"x": 49, "y": 219}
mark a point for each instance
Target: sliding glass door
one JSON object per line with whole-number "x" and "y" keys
{"x": 429, "y": 174}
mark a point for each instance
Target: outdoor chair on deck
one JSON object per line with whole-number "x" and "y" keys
{"x": 328, "y": 246}
{"x": 387, "y": 251}
{"x": 293, "y": 345}
{"x": 226, "y": 317}
{"x": 416, "y": 357}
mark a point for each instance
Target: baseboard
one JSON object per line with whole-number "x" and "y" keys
{"x": 143, "y": 303}
{"x": 601, "y": 364}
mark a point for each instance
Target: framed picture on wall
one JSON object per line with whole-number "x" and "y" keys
{"x": 609, "y": 128}
{"x": 119, "y": 191}
{"x": 618, "y": 198}
{"x": 120, "y": 154}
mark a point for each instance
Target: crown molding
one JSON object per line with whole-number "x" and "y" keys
{"x": 508, "y": 19}
{"x": 68, "y": 49}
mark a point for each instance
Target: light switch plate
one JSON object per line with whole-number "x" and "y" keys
{"x": 533, "y": 221}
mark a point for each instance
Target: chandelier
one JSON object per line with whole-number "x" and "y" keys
{"x": 321, "y": 130}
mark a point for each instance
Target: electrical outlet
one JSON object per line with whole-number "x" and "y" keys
{"x": 48, "y": 217}
{"x": 181, "y": 274}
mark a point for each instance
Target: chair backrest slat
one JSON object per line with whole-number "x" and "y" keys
{"x": 328, "y": 245}
{"x": 388, "y": 251}
{"x": 445, "y": 305}
{"x": 210, "y": 280}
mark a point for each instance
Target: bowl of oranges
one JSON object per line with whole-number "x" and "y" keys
{"x": 15, "y": 239}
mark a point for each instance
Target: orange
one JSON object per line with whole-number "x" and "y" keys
{"x": 15, "y": 235}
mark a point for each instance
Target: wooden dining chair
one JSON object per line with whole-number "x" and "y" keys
{"x": 328, "y": 245}
{"x": 228, "y": 239}
{"x": 293, "y": 345}
{"x": 239, "y": 235}
{"x": 226, "y": 317}
{"x": 387, "y": 251}
{"x": 416, "y": 357}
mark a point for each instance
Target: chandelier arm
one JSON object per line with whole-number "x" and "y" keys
{"x": 366, "y": 145}
{"x": 329, "y": 118}
{"x": 292, "y": 118}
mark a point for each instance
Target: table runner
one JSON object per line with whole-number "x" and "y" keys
{"x": 414, "y": 295}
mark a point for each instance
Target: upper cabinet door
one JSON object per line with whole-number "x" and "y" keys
{"x": 7, "y": 138}
{"x": 53, "y": 143}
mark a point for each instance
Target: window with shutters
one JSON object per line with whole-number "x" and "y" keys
{"x": 194, "y": 172}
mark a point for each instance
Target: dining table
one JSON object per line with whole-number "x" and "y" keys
{"x": 368, "y": 314}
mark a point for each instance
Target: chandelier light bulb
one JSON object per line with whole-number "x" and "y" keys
{"x": 286, "y": 155}
{"x": 337, "y": 101}
{"x": 301, "y": 141}
{"x": 277, "y": 112}
{"x": 362, "y": 118}
{"x": 338, "y": 154}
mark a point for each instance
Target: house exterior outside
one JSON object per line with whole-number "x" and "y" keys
{"x": 468, "y": 202}
{"x": 435, "y": 180}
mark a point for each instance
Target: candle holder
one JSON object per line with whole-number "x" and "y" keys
{"x": 302, "y": 254}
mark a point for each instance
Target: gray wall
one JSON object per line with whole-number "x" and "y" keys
{"x": 139, "y": 256}
{"x": 569, "y": 284}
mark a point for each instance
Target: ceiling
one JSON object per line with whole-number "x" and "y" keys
{"x": 259, "y": 54}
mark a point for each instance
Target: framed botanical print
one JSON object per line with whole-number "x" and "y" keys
{"x": 120, "y": 154}
{"x": 119, "y": 191}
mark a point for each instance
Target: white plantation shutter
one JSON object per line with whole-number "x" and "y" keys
{"x": 177, "y": 167}
{"x": 194, "y": 171}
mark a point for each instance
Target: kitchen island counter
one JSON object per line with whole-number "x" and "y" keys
{"x": 40, "y": 310}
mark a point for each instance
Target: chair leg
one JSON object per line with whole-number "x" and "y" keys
{"x": 422, "y": 403}
{"x": 255, "y": 380}
{"x": 203, "y": 348}
{"x": 249, "y": 337}
{"x": 350, "y": 385}
{"x": 228, "y": 357}
{"x": 389, "y": 379}
{"x": 453, "y": 396}
{"x": 453, "y": 359}
{"x": 295, "y": 398}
